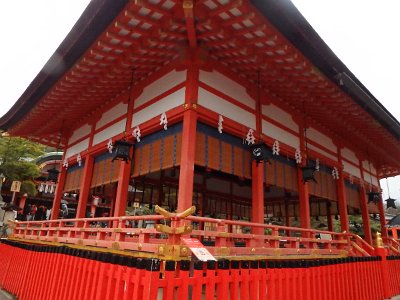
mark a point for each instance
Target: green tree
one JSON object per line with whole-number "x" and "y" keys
{"x": 16, "y": 162}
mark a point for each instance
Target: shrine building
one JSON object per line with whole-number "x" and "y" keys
{"x": 237, "y": 108}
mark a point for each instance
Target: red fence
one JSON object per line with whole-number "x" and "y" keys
{"x": 48, "y": 272}
{"x": 223, "y": 238}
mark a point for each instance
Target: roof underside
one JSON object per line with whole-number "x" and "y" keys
{"x": 297, "y": 69}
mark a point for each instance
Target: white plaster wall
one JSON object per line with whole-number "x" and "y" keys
{"x": 79, "y": 133}
{"x": 111, "y": 114}
{"x": 75, "y": 149}
{"x": 227, "y": 86}
{"x": 324, "y": 153}
{"x": 321, "y": 139}
{"x": 109, "y": 132}
{"x": 226, "y": 109}
{"x": 350, "y": 155}
{"x": 280, "y": 134}
{"x": 280, "y": 116}
{"x": 366, "y": 166}
{"x": 156, "y": 109}
{"x": 160, "y": 86}
{"x": 353, "y": 170}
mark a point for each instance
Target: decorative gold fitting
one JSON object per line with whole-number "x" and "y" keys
{"x": 140, "y": 246}
{"x": 117, "y": 230}
{"x": 378, "y": 240}
{"x": 187, "y": 4}
{"x": 184, "y": 251}
{"x": 194, "y": 105}
{"x": 185, "y": 106}
{"x": 115, "y": 246}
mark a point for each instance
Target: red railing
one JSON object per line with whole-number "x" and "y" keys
{"x": 159, "y": 235}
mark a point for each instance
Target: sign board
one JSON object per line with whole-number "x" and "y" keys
{"x": 15, "y": 186}
{"x": 198, "y": 249}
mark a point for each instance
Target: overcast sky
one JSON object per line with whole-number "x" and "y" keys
{"x": 364, "y": 34}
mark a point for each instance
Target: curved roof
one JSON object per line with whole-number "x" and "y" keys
{"x": 93, "y": 65}
{"x": 50, "y": 156}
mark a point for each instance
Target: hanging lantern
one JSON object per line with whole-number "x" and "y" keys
{"x": 122, "y": 151}
{"x": 391, "y": 203}
{"x": 308, "y": 172}
{"x": 373, "y": 197}
{"x": 260, "y": 152}
{"x": 52, "y": 175}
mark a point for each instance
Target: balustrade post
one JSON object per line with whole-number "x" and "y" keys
{"x": 384, "y": 267}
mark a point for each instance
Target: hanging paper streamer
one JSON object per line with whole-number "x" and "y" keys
{"x": 317, "y": 164}
{"x": 297, "y": 156}
{"x": 79, "y": 159}
{"x": 164, "y": 120}
{"x": 335, "y": 173}
{"x": 250, "y": 139}
{"x": 276, "y": 148}
{"x": 351, "y": 179}
{"x": 65, "y": 163}
{"x": 220, "y": 121}
{"x": 41, "y": 187}
{"x": 110, "y": 146}
{"x": 136, "y": 133}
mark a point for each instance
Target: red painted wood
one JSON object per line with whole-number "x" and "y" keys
{"x": 122, "y": 189}
{"x": 365, "y": 214}
{"x": 304, "y": 201}
{"x": 257, "y": 205}
{"x": 55, "y": 210}
{"x": 85, "y": 187}
{"x": 342, "y": 199}
{"x": 188, "y": 150}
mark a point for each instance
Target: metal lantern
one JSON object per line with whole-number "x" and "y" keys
{"x": 308, "y": 172}
{"x": 122, "y": 151}
{"x": 373, "y": 197}
{"x": 260, "y": 152}
{"x": 53, "y": 175}
{"x": 390, "y": 203}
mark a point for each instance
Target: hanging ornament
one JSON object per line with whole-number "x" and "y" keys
{"x": 275, "y": 148}
{"x": 351, "y": 179}
{"x": 220, "y": 121}
{"x": 163, "y": 121}
{"x": 110, "y": 146}
{"x": 297, "y": 156}
{"x": 65, "y": 163}
{"x": 317, "y": 164}
{"x": 52, "y": 189}
{"x": 41, "y": 187}
{"x": 79, "y": 159}
{"x": 136, "y": 133}
{"x": 250, "y": 139}
{"x": 46, "y": 188}
{"x": 335, "y": 173}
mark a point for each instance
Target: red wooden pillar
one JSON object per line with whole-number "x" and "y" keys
{"x": 188, "y": 147}
{"x": 55, "y": 211}
{"x": 257, "y": 184}
{"x": 329, "y": 216}
{"x": 304, "y": 201}
{"x": 382, "y": 218}
{"x": 364, "y": 209}
{"x": 22, "y": 201}
{"x": 341, "y": 191}
{"x": 122, "y": 189}
{"x": 85, "y": 186}
{"x": 365, "y": 216}
{"x": 186, "y": 174}
{"x": 342, "y": 198}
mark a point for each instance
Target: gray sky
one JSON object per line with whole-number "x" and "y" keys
{"x": 362, "y": 33}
